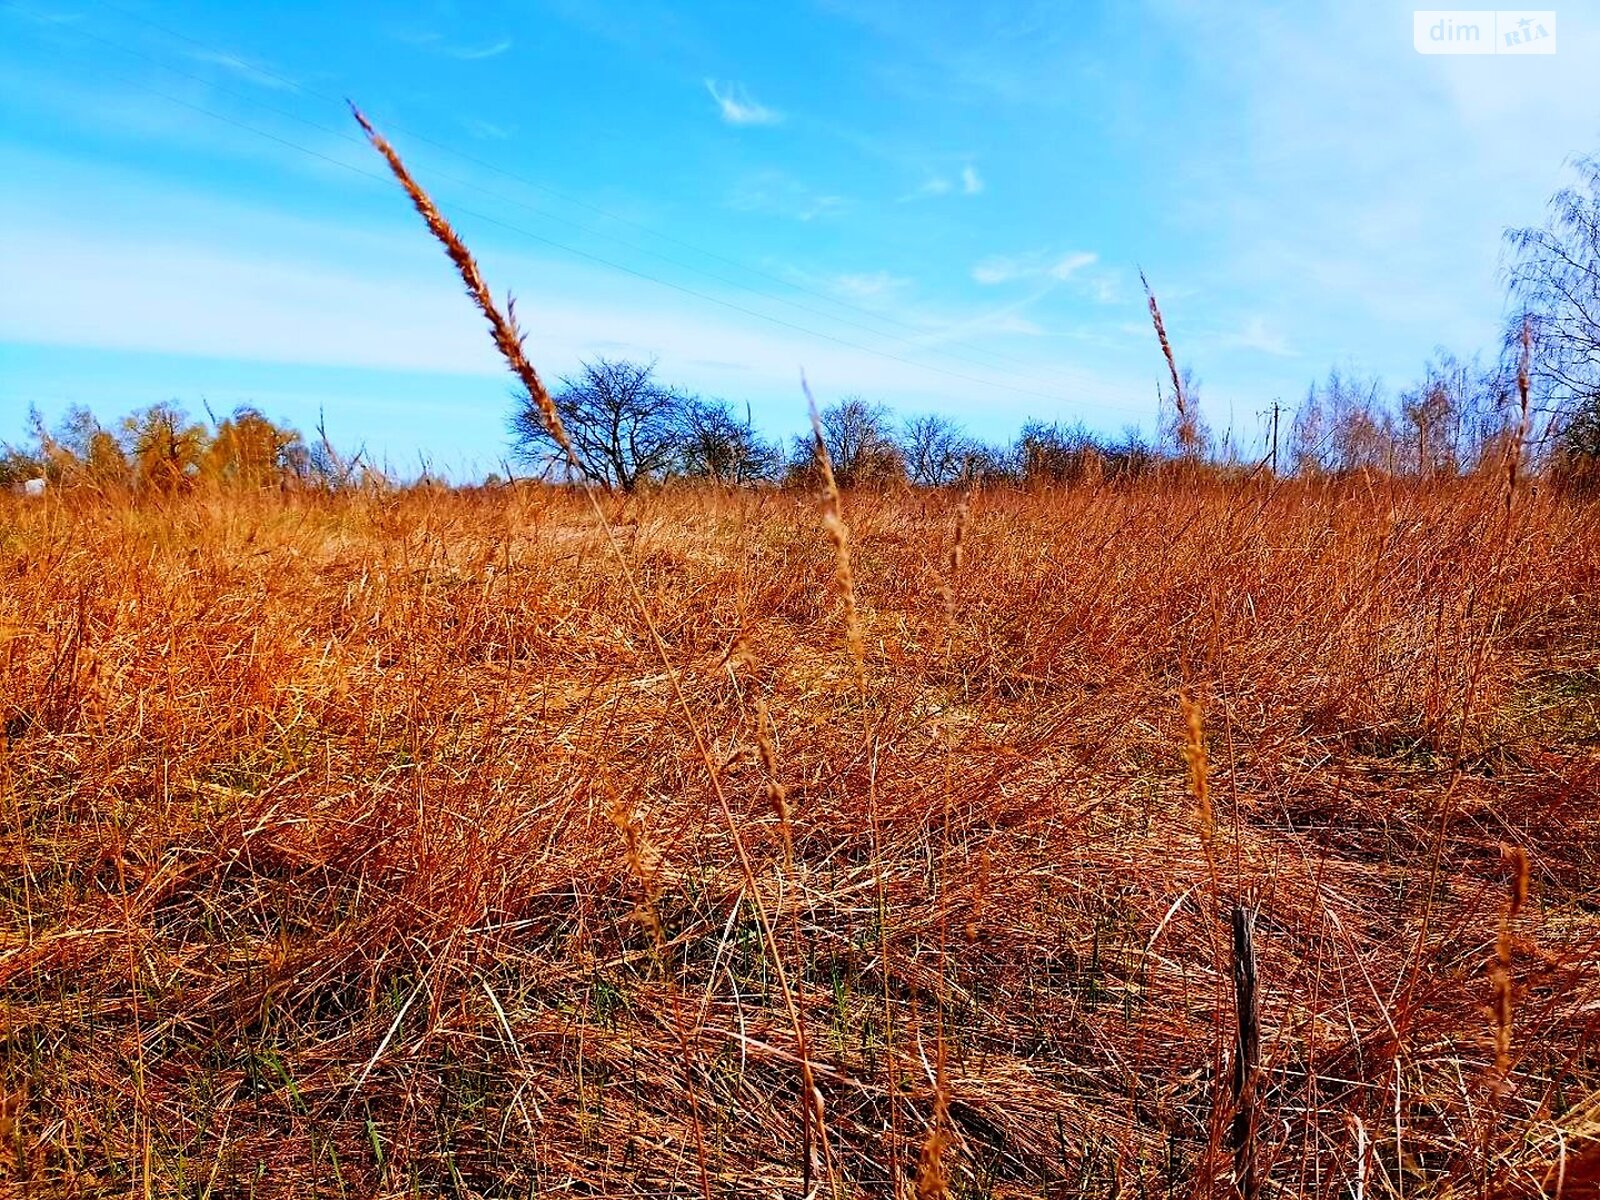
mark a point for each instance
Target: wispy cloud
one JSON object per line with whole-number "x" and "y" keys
{"x": 1010, "y": 319}
{"x": 1257, "y": 335}
{"x": 998, "y": 269}
{"x": 246, "y": 70}
{"x": 968, "y": 182}
{"x": 781, "y": 195}
{"x": 487, "y": 131}
{"x": 474, "y": 53}
{"x": 873, "y": 285}
{"x": 1067, "y": 267}
{"x": 821, "y": 206}
{"x": 933, "y": 186}
{"x": 435, "y": 42}
{"x": 739, "y": 107}
{"x": 43, "y": 16}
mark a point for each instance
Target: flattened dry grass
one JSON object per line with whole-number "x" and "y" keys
{"x": 336, "y": 832}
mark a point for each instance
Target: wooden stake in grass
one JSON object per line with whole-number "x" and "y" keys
{"x": 1514, "y": 450}
{"x": 1246, "y": 1053}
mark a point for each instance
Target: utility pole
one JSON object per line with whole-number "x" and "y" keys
{"x": 1276, "y": 409}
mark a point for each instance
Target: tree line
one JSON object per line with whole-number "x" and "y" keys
{"x": 630, "y": 429}
{"x": 162, "y": 449}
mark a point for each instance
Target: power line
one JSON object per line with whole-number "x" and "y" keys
{"x": 485, "y": 164}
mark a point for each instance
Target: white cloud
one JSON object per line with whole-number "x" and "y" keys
{"x": 248, "y": 71}
{"x": 1103, "y": 287}
{"x": 379, "y": 299}
{"x": 969, "y": 182}
{"x": 868, "y": 285}
{"x": 435, "y": 42}
{"x": 487, "y": 131}
{"x": 1256, "y": 335}
{"x": 1372, "y": 217}
{"x": 933, "y": 186}
{"x": 475, "y": 53}
{"x": 1070, "y": 265}
{"x": 779, "y": 194}
{"x": 997, "y": 268}
{"x": 739, "y": 107}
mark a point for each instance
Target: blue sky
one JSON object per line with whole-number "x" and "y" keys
{"x": 942, "y": 206}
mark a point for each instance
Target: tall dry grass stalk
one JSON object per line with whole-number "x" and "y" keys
{"x": 777, "y": 793}
{"x": 933, "y": 1165}
{"x": 833, "y": 524}
{"x": 1502, "y": 1004}
{"x": 510, "y": 342}
{"x": 508, "y": 339}
{"x": 1199, "y": 767}
{"x": 643, "y": 863}
{"x": 1500, "y": 976}
{"x": 838, "y": 533}
{"x": 1187, "y": 429}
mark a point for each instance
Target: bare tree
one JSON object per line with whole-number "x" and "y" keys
{"x": 1130, "y": 455}
{"x": 982, "y": 463}
{"x": 935, "y": 450}
{"x": 1344, "y": 425}
{"x": 1182, "y": 428}
{"x": 715, "y": 444}
{"x": 1554, "y": 279}
{"x": 1458, "y": 416}
{"x": 1055, "y": 453}
{"x": 1430, "y": 415}
{"x": 625, "y": 428}
{"x": 859, "y": 440}
{"x": 165, "y": 446}
{"x": 249, "y": 449}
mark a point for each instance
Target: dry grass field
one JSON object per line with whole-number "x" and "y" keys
{"x": 370, "y": 845}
